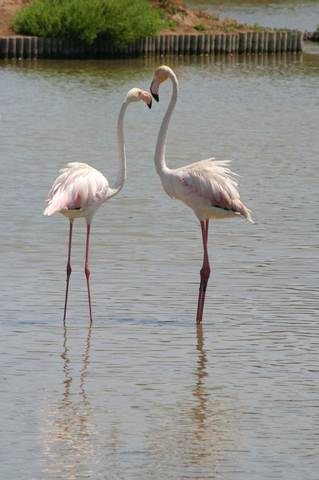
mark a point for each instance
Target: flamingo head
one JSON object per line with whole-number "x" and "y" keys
{"x": 161, "y": 74}
{"x": 137, "y": 94}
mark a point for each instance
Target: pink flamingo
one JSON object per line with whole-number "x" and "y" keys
{"x": 208, "y": 186}
{"x": 80, "y": 190}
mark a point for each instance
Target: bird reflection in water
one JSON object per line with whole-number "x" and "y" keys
{"x": 191, "y": 437}
{"x": 199, "y": 410}
{"x": 212, "y": 420}
{"x": 69, "y": 433}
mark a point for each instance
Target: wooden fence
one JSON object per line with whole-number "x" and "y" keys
{"x": 221, "y": 43}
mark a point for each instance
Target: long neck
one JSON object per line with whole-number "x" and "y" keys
{"x": 159, "y": 158}
{"x": 121, "y": 165}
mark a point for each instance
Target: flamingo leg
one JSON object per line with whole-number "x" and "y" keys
{"x": 204, "y": 273}
{"x": 200, "y": 294}
{"x": 86, "y": 268}
{"x": 68, "y": 269}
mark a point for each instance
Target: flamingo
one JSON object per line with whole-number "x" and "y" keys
{"x": 208, "y": 187}
{"x": 80, "y": 190}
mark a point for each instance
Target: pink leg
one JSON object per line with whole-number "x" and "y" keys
{"x": 87, "y": 270}
{"x": 68, "y": 269}
{"x": 204, "y": 273}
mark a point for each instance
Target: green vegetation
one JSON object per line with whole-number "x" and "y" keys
{"x": 120, "y": 21}
{"x": 171, "y": 24}
{"x": 200, "y": 27}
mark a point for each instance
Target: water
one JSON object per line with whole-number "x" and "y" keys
{"x": 303, "y": 15}
{"x": 143, "y": 394}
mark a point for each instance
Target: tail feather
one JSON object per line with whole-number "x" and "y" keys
{"x": 241, "y": 208}
{"x": 248, "y": 216}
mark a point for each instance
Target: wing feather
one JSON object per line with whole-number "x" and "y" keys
{"x": 78, "y": 186}
{"x": 215, "y": 182}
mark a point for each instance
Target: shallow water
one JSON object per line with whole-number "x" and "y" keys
{"x": 143, "y": 394}
{"x": 303, "y": 15}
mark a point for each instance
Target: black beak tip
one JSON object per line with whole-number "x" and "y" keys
{"x": 150, "y": 104}
{"x": 155, "y": 96}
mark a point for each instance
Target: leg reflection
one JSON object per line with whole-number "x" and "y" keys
{"x": 69, "y": 432}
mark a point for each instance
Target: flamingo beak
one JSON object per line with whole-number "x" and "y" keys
{"x": 147, "y": 98}
{"x": 154, "y": 90}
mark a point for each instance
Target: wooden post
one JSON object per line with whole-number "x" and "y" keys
{"x": 288, "y": 41}
{"x": 34, "y": 47}
{"x": 242, "y": 42}
{"x": 46, "y": 47}
{"x": 207, "y": 44}
{"x": 172, "y": 40}
{"x": 271, "y": 42}
{"x": 261, "y": 42}
{"x": 254, "y": 42}
{"x": 233, "y": 43}
{"x": 194, "y": 43}
{"x": 218, "y": 43}
{"x": 168, "y": 44}
{"x": 284, "y": 41}
{"x": 161, "y": 44}
{"x": 201, "y": 44}
{"x": 28, "y": 47}
{"x": 176, "y": 44}
{"x": 157, "y": 44}
{"x": 134, "y": 46}
{"x": 181, "y": 48}
{"x": 223, "y": 43}
{"x": 20, "y": 46}
{"x": 54, "y": 47}
{"x": 188, "y": 44}
{"x": 40, "y": 47}
{"x": 294, "y": 42}
{"x": 12, "y": 47}
{"x": 148, "y": 45}
{"x": 278, "y": 42}
{"x": 4, "y": 47}
{"x": 228, "y": 43}
{"x": 153, "y": 45}
{"x": 212, "y": 43}
{"x": 249, "y": 42}
{"x": 81, "y": 49}
{"x": 266, "y": 37}
{"x": 237, "y": 42}
{"x": 299, "y": 41}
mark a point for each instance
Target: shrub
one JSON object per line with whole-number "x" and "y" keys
{"x": 200, "y": 27}
{"x": 120, "y": 21}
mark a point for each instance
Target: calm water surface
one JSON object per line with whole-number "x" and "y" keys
{"x": 143, "y": 394}
{"x": 300, "y": 14}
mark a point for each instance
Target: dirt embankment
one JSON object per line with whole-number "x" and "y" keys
{"x": 7, "y": 10}
{"x": 180, "y": 19}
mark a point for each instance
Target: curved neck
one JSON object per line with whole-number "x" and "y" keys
{"x": 159, "y": 158}
{"x": 121, "y": 165}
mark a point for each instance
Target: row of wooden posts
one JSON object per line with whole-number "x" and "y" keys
{"x": 249, "y": 42}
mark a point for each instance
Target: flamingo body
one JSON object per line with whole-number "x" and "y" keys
{"x": 80, "y": 190}
{"x": 208, "y": 187}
